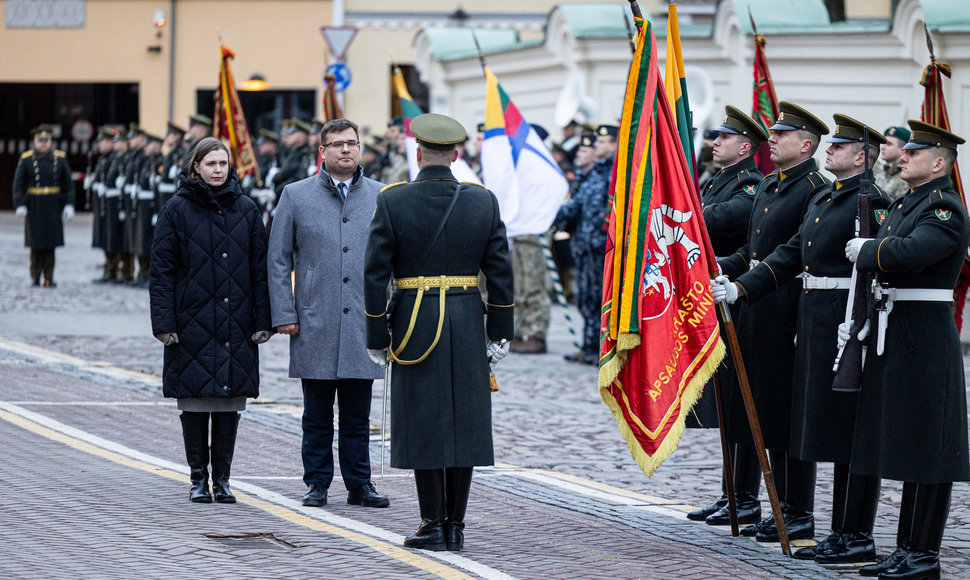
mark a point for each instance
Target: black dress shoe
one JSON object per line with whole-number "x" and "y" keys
{"x": 430, "y": 536}
{"x": 876, "y": 569}
{"x": 454, "y": 536}
{"x": 799, "y": 527}
{"x": 828, "y": 544}
{"x": 367, "y": 496}
{"x": 917, "y": 565}
{"x": 854, "y": 547}
{"x": 703, "y": 513}
{"x": 749, "y": 512}
{"x": 751, "y": 531}
{"x": 316, "y": 496}
{"x": 35, "y": 284}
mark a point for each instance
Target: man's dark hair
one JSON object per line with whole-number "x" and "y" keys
{"x": 336, "y": 126}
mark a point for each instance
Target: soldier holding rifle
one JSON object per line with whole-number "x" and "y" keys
{"x": 911, "y": 423}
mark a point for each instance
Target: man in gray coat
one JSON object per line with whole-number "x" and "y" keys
{"x": 320, "y": 233}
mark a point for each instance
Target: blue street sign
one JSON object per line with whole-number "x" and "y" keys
{"x": 341, "y": 74}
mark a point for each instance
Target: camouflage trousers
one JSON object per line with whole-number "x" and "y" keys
{"x": 589, "y": 297}
{"x": 532, "y": 306}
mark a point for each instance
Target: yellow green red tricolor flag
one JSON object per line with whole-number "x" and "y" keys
{"x": 229, "y": 123}
{"x": 675, "y": 83}
{"x": 764, "y": 109}
{"x": 660, "y": 340}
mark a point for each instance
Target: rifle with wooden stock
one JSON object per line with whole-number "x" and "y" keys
{"x": 851, "y": 356}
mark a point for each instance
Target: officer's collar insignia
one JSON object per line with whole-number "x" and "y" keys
{"x": 749, "y": 189}
{"x": 781, "y": 175}
{"x": 881, "y": 215}
{"x": 943, "y": 214}
{"x": 838, "y": 185}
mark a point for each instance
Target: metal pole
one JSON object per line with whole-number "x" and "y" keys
{"x": 387, "y": 382}
{"x": 171, "y": 62}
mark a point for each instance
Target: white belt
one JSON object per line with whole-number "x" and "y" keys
{"x": 810, "y": 282}
{"x": 130, "y": 189}
{"x": 112, "y": 192}
{"x": 166, "y": 188}
{"x": 144, "y": 194}
{"x": 888, "y": 296}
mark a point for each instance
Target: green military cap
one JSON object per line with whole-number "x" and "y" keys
{"x": 848, "y": 130}
{"x": 267, "y": 135}
{"x": 901, "y": 133}
{"x": 437, "y": 131}
{"x": 372, "y": 147}
{"x": 134, "y": 130}
{"x": 587, "y": 140}
{"x": 316, "y": 125}
{"x": 737, "y": 123}
{"x": 43, "y": 131}
{"x": 611, "y": 130}
{"x": 198, "y": 119}
{"x": 294, "y": 125}
{"x": 116, "y": 134}
{"x": 151, "y": 136}
{"x": 791, "y": 117}
{"x": 925, "y": 135}
{"x": 173, "y": 128}
{"x": 105, "y": 132}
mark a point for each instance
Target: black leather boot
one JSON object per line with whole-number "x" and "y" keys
{"x": 799, "y": 502}
{"x": 834, "y": 540}
{"x": 903, "y": 534}
{"x": 702, "y": 514}
{"x": 224, "y": 426}
{"x": 458, "y": 482}
{"x": 779, "y": 476}
{"x": 858, "y": 519}
{"x": 195, "y": 435}
{"x": 922, "y": 562}
{"x": 430, "y": 535}
{"x": 747, "y": 484}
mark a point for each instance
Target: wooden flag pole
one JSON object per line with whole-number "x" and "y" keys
{"x": 726, "y": 455}
{"x": 759, "y": 442}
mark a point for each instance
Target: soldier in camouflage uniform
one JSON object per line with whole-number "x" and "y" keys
{"x": 42, "y": 193}
{"x": 585, "y": 217}
{"x": 890, "y": 164}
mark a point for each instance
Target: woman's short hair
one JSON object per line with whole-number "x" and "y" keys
{"x": 203, "y": 148}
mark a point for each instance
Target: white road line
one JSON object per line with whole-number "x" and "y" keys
{"x": 265, "y": 494}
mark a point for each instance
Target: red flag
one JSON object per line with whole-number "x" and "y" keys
{"x": 765, "y": 108}
{"x": 229, "y": 123}
{"x": 660, "y": 338}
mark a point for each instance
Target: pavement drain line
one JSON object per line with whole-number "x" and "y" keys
{"x": 380, "y": 540}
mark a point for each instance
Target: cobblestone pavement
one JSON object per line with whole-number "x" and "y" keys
{"x": 94, "y": 482}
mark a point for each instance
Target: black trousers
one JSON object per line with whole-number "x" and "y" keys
{"x": 42, "y": 262}
{"x": 353, "y": 398}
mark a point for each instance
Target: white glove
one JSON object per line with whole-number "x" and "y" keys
{"x": 724, "y": 290}
{"x": 68, "y": 212}
{"x": 120, "y": 181}
{"x": 121, "y": 216}
{"x": 497, "y": 350}
{"x": 853, "y": 247}
{"x": 378, "y": 355}
{"x": 167, "y": 338}
{"x": 843, "y": 334}
{"x": 21, "y": 211}
{"x": 88, "y": 180}
{"x": 261, "y": 336}
{"x": 154, "y": 219}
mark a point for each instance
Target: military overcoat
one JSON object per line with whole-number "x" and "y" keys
{"x": 43, "y": 184}
{"x": 912, "y": 418}
{"x": 441, "y": 412}
{"x": 114, "y": 228}
{"x": 822, "y": 420}
{"x": 98, "y": 187}
{"x": 767, "y": 328}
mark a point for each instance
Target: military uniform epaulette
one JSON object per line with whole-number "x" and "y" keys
{"x": 818, "y": 176}
{"x": 27, "y": 154}
{"x": 59, "y": 153}
{"x": 386, "y": 187}
{"x": 471, "y": 183}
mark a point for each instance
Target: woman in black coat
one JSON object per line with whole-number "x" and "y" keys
{"x": 210, "y": 308}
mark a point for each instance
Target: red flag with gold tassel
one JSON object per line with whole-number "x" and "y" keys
{"x": 765, "y": 107}
{"x": 934, "y": 112}
{"x": 229, "y": 123}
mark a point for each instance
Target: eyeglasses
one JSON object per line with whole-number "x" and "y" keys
{"x": 342, "y": 144}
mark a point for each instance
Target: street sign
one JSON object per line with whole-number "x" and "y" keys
{"x": 338, "y": 39}
{"x": 341, "y": 75}
{"x": 82, "y": 130}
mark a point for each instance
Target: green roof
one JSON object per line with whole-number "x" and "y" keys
{"x": 455, "y": 43}
{"x": 597, "y": 20}
{"x": 798, "y": 17}
{"x": 946, "y": 15}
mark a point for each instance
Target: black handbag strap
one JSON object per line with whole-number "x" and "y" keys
{"x": 441, "y": 227}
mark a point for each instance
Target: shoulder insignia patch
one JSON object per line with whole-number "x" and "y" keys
{"x": 386, "y": 187}
{"x": 943, "y": 214}
{"x": 26, "y": 154}
{"x": 59, "y": 153}
{"x": 749, "y": 189}
{"x": 881, "y": 215}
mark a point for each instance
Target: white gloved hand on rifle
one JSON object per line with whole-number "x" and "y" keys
{"x": 853, "y": 247}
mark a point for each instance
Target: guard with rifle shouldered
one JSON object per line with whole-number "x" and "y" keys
{"x": 114, "y": 230}
{"x": 171, "y": 165}
{"x": 434, "y": 235}
{"x": 823, "y": 419}
{"x": 911, "y": 423}
{"x": 95, "y": 184}
{"x": 146, "y": 212}
{"x": 767, "y": 328}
